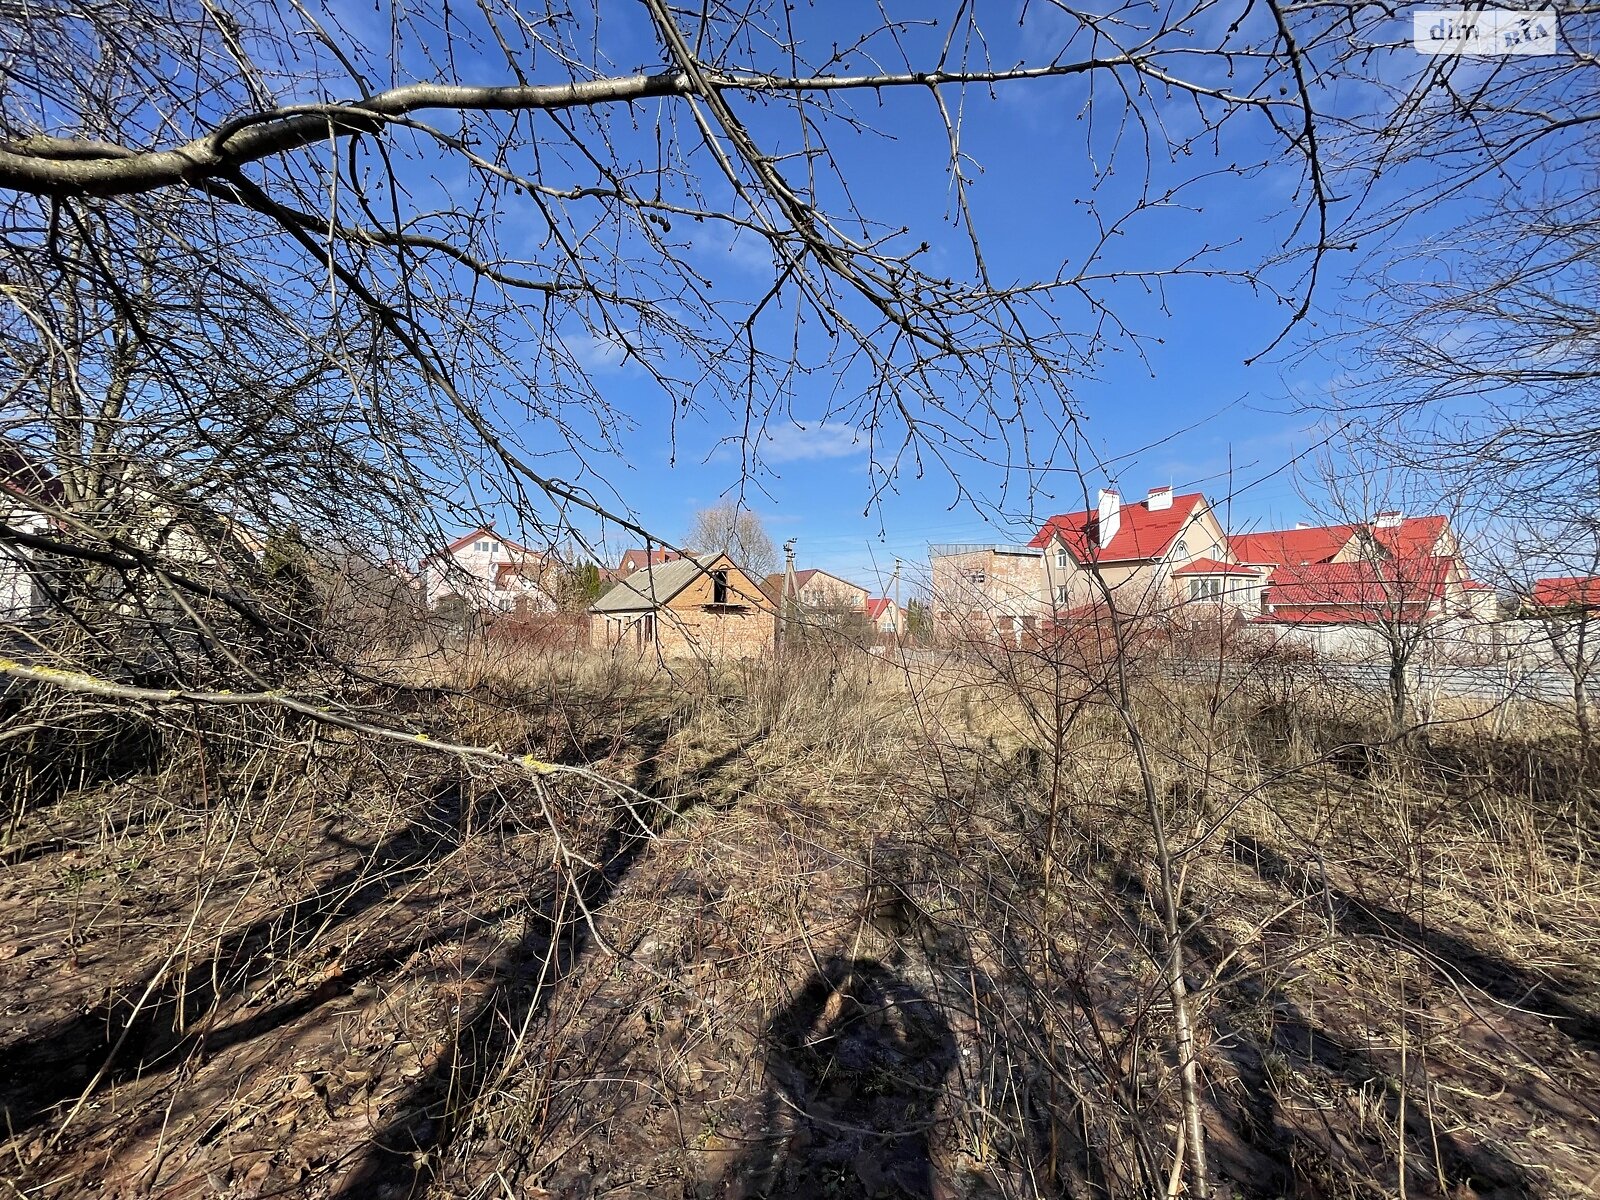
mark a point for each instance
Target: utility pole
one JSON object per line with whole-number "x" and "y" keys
{"x": 897, "y": 612}
{"x": 786, "y": 600}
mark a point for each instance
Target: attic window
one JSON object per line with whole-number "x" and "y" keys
{"x": 719, "y": 587}
{"x": 483, "y": 547}
{"x": 1061, "y": 558}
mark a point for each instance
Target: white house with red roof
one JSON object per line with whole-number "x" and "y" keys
{"x": 1153, "y": 554}
{"x": 1156, "y": 554}
{"x": 885, "y": 616}
{"x": 1395, "y": 569}
{"x": 491, "y": 573}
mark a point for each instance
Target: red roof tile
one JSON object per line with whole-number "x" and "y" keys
{"x": 876, "y": 608}
{"x": 1413, "y": 537}
{"x": 1213, "y": 566}
{"x": 1571, "y": 591}
{"x": 1141, "y": 533}
{"x": 1362, "y": 589}
{"x": 1291, "y": 547}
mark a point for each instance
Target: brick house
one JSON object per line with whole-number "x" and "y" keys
{"x": 705, "y": 607}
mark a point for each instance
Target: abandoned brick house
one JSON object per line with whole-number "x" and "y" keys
{"x": 705, "y": 607}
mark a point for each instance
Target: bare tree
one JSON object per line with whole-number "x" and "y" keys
{"x": 273, "y": 267}
{"x": 1398, "y": 588}
{"x": 729, "y": 528}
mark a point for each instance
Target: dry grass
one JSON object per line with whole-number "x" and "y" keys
{"x": 855, "y": 928}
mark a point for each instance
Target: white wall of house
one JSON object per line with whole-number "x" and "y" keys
{"x": 473, "y": 572}
{"x": 20, "y": 593}
{"x": 829, "y": 591}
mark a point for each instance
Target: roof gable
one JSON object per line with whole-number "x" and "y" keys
{"x": 1141, "y": 532}
{"x": 486, "y": 531}
{"x": 656, "y": 585}
{"x": 802, "y": 578}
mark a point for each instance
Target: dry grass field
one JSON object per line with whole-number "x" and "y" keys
{"x": 830, "y": 927}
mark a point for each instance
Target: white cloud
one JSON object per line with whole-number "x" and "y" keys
{"x": 794, "y": 442}
{"x": 596, "y": 353}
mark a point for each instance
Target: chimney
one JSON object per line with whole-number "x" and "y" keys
{"x": 1159, "y": 498}
{"x": 1388, "y": 520}
{"x": 1302, "y": 525}
{"x": 1110, "y": 516}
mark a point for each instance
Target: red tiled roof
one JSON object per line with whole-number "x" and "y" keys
{"x": 1473, "y": 585}
{"x": 1571, "y": 591}
{"x": 1358, "y": 590}
{"x": 876, "y": 608}
{"x": 1213, "y": 566}
{"x": 1141, "y": 533}
{"x": 1413, "y": 537}
{"x": 633, "y": 560}
{"x": 1291, "y": 547}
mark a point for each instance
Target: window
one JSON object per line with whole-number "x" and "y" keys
{"x": 1209, "y": 588}
{"x": 1061, "y": 593}
{"x": 1061, "y": 558}
{"x": 483, "y": 547}
{"x": 976, "y": 576}
{"x": 719, "y": 587}
{"x": 1181, "y": 551}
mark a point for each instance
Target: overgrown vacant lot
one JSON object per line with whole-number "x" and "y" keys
{"x": 829, "y": 928}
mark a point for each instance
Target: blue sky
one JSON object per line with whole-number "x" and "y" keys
{"x": 1178, "y": 406}
{"x": 1180, "y": 409}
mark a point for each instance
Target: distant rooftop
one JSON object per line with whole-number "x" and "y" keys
{"x": 948, "y": 549}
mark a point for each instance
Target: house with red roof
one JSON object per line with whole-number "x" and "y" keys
{"x": 491, "y": 573}
{"x": 634, "y": 560}
{"x": 1152, "y": 555}
{"x": 885, "y": 616}
{"x": 1156, "y": 554}
{"x": 1393, "y": 570}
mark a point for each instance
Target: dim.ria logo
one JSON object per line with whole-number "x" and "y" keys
{"x": 1484, "y": 32}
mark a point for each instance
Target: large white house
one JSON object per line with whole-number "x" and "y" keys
{"x": 491, "y": 573}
